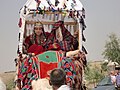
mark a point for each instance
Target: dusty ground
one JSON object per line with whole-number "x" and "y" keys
{"x": 8, "y": 79}
{"x": 7, "y": 76}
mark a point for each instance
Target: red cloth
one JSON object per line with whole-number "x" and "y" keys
{"x": 36, "y": 49}
{"x": 31, "y": 45}
{"x": 45, "y": 67}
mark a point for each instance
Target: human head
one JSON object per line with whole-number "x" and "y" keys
{"x": 38, "y": 28}
{"x": 57, "y": 77}
{"x": 112, "y": 72}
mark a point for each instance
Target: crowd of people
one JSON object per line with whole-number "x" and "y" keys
{"x": 115, "y": 78}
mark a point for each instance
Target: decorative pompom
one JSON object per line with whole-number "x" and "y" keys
{"x": 20, "y": 22}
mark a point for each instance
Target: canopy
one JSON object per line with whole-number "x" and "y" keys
{"x": 66, "y": 6}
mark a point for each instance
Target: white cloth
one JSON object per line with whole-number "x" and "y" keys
{"x": 2, "y": 85}
{"x": 41, "y": 84}
{"x": 113, "y": 79}
{"x": 59, "y": 35}
{"x": 64, "y": 87}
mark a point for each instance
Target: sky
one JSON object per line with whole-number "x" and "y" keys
{"x": 102, "y": 18}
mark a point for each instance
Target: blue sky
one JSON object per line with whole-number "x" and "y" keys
{"x": 102, "y": 18}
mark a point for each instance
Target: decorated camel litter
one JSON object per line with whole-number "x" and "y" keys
{"x": 59, "y": 46}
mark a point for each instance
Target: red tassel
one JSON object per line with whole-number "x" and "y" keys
{"x": 20, "y": 22}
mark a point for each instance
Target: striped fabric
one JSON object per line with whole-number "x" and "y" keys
{"x": 38, "y": 67}
{"x": 74, "y": 70}
{"x": 68, "y": 43}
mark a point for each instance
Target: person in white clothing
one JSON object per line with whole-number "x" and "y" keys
{"x": 113, "y": 77}
{"x": 2, "y": 85}
{"x": 58, "y": 80}
{"x": 64, "y": 87}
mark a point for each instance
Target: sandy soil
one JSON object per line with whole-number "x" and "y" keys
{"x": 7, "y": 76}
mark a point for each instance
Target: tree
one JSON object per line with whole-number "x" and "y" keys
{"x": 112, "y": 49}
{"x": 104, "y": 66}
{"x": 93, "y": 74}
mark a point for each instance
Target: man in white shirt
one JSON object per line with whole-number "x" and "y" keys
{"x": 58, "y": 80}
{"x": 113, "y": 77}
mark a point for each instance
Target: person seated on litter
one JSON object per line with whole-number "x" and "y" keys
{"x": 61, "y": 39}
{"x": 34, "y": 43}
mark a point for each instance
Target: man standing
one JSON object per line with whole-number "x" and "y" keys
{"x": 58, "y": 80}
{"x": 118, "y": 81}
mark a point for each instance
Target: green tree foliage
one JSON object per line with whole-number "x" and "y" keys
{"x": 112, "y": 49}
{"x": 93, "y": 75}
{"x": 104, "y": 66}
